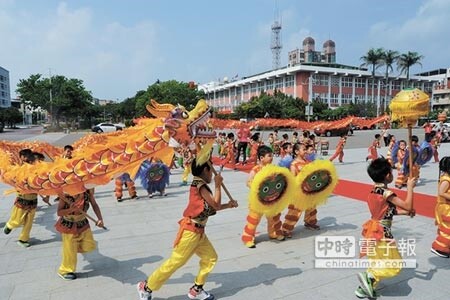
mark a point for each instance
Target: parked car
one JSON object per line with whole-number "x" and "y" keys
{"x": 333, "y": 132}
{"x": 107, "y": 127}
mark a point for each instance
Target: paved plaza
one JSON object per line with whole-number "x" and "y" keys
{"x": 141, "y": 232}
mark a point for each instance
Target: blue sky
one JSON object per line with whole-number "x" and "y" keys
{"x": 118, "y": 47}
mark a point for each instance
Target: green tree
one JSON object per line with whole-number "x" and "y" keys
{"x": 318, "y": 109}
{"x": 60, "y": 96}
{"x": 406, "y": 61}
{"x": 172, "y": 92}
{"x": 388, "y": 58}
{"x": 10, "y": 116}
{"x": 373, "y": 59}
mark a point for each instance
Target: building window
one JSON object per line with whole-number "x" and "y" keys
{"x": 261, "y": 86}
{"x": 347, "y": 81}
{"x": 396, "y": 85}
{"x": 346, "y": 99}
{"x": 246, "y": 89}
{"x": 334, "y": 99}
{"x": 321, "y": 97}
{"x": 279, "y": 83}
{"x": 238, "y": 91}
{"x": 290, "y": 80}
{"x": 270, "y": 84}
{"x": 254, "y": 87}
{"x": 320, "y": 80}
{"x": 360, "y": 82}
{"x": 334, "y": 81}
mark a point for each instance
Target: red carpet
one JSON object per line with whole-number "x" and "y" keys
{"x": 423, "y": 204}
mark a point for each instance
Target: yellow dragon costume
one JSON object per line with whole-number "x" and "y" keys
{"x": 101, "y": 157}
{"x": 275, "y": 188}
{"x": 269, "y": 195}
{"x": 314, "y": 184}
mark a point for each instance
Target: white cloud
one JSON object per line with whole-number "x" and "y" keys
{"x": 113, "y": 60}
{"x": 427, "y": 33}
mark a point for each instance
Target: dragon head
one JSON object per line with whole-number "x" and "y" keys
{"x": 186, "y": 127}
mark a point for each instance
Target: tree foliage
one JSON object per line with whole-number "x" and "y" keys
{"x": 60, "y": 96}
{"x": 172, "y": 91}
{"x": 407, "y": 60}
{"x": 10, "y": 116}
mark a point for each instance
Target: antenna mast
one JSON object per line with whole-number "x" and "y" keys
{"x": 276, "y": 45}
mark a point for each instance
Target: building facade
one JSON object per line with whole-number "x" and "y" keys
{"x": 308, "y": 54}
{"x": 5, "y": 90}
{"x": 333, "y": 84}
{"x": 440, "y": 100}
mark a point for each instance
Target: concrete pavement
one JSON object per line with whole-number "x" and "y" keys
{"x": 141, "y": 233}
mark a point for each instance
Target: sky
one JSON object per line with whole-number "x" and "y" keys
{"x": 119, "y": 47}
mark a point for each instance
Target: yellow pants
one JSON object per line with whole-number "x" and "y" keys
{"x": 189, "y": 244}
{"x": 384, "y": 251}
{"x": 23, "y": 217}
{"x": 72, "y": 244}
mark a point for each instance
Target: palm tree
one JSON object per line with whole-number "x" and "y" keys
{"x": 373, "y": 58}
{"x": 388, "y": 58}
{"x": 406, "y": 60}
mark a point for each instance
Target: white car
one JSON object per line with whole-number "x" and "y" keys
{"x": 107, "y": 127}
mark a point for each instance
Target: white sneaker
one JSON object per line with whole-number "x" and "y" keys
{"x": 143, "y": 293}
{"x": 200, "y": 294}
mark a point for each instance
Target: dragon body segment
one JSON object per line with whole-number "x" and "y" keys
{"x": 102, "y": 157}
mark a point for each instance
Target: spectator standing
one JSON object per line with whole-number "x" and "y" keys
{"x": 243, "y": 136}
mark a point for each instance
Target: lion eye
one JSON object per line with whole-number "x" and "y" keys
{"x": 278, "y": 186}
{"x": 314, "y": 177}
{"x": 265, "y": 189}
{"x": 184, "y": 115}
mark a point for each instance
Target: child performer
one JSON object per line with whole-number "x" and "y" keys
{"x": 254, "y": 144}
{"x": 373, "y": 152}
{"x": 415, "y": 148}
{"x": 24, "y": 209}
{"x": 126, "y": 180}
{"x": 389, "y": 150}
{"x": 400, "y": 181}
{"x": 295, "y": 139}
{"x": 340, "y": 148}
{"x": 68, "y": 150}
{"x": 285, "y": 140}
{"x": 75, "y": 231}
{"x": 301, "y": 152}
{"x": 441, "y": 246}
{"x": 383, "y": 205}
{"x": 191, "y": 238}
{"x": 230, "y": 158}
{"x": 435, "y": 144}
{"x": 265, "y": 156}
{"x": 287, "y": 159}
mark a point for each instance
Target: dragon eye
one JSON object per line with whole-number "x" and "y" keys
{"x": 184, "y": 115}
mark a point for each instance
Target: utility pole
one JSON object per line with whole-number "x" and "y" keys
{"x": 51, "y": 97}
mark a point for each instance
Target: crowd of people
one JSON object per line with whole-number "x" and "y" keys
{"x": 294, "y": 152}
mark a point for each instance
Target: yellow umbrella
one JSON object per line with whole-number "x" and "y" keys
{"x": 408, "y": 105}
